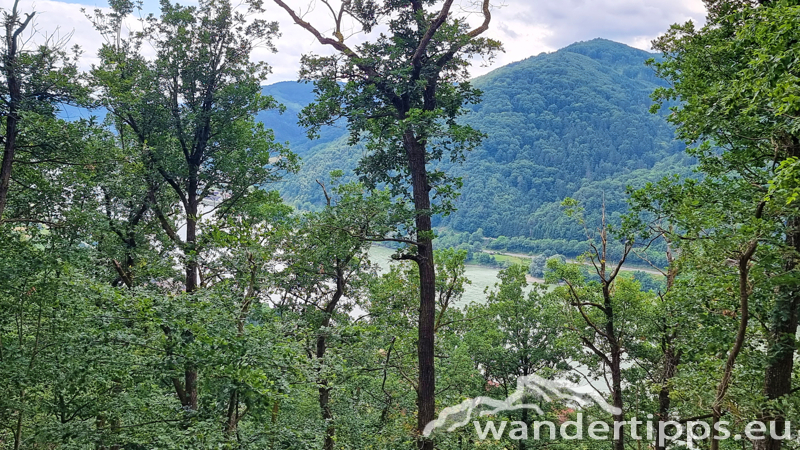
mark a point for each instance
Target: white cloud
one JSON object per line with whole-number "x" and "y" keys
{"x": 546, "y": 25}
{"x": 526, "y": 27}
{"x": 60, "y": 20}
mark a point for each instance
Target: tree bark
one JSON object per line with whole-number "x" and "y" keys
{"x": 426, "y": 389}
{"x": 191, "y": 229}
{"x": 233, "y": 416}
{"x": 744, "y": 297}
{"x": 780, "y": 365}
{"x": 327, "y": 415}
{"x": 191, "y": 266}
{"x": 671, "y": 362}
{"x": 18, "y": 426}
{"x": 9, "y": 149}
{"x": 614, "y": 344}
{"x": 13, "y": 29}
{"x": 672, "y": 358}
{"x": 322, "y": 347}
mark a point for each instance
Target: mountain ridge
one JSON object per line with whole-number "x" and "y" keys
{"x": 574, "y": 122}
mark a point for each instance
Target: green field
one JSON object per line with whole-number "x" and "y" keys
{"x": 511, "y": 259}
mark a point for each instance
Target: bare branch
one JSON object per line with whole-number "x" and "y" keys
{"x": 487, "y": 17}
{"x": 324, "y": 192}
{"x": 416, "y": 60}
{"x": 337, "y": 44}
{"x": 124, "y": 276}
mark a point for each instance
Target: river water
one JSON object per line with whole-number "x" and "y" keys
{"x": 480, "y": 276}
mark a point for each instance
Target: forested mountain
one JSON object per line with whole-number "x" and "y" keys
{"x": 575, "y": 122}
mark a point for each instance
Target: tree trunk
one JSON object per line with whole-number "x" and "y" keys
{"x": 616, "y": 350}
{"x": 327, "y": 414}
{"x": 671, "y": 361}
{"x": 12, "y": 118}
{"x": 190, "y": 252}
{"x": 616, "y": 394}
{"x": 778, "y": 374}
{"x": 744, "y": 297}
{"x": 8, "y": 153}
{"x": 322, "y": 347}
{"x": 191, "y": 266}
{"x": 426, "y": 390}
{"x": 18, "y": 427}
{"x": 233, "y": 416}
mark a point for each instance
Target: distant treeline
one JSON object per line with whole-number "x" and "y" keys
{"x": 475, "y": 243}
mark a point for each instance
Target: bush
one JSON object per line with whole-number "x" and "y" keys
{"x": 485, "y": 259}
{"x": 538, "y": 264}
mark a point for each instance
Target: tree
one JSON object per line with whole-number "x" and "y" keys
{"x": 327, "y": 265}
{"x": 725, "y": 262}
{"x": 735, "y": 78}
{"x": 602, "y": 313}
{"x": 191, "y": 111}
{"x": 537, "y": 266}
{"x": 387, "y": 352}
{"x": 402, "y": 93}
{"x": 517, "y": 334}
{"x": 36, "y": 80}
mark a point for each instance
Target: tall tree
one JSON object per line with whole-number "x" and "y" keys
{"x": 606, "y": 315}
{"x": 402, "y": 92}
{"x": 736, "y": 79}
{"x": 327, "y": 263}
{"x": 191, "y": 110}
{"x": 36, "y": 79}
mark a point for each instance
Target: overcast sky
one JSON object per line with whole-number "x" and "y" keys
{"x": 526, "y": 27}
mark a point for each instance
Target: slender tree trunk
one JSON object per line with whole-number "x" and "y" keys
{"x": 191, "y": 232}
{"x": 18, "y": 427}
{"x": 191, "y": 266}
{"x": 672, "y": 358}
{"x": 426, "y": 390}
{"x": 8, "y": 152}
{"x": 616, "y": 353}
{"x": 616, "y": 394}
{"x": 671, "y": 361}
{"x": 233, "y": 417}
{"x": 322, "y": 347}
{"x": 744, "y": 297}
{"x": 327, "y": 415}
{"x": 14, "y": 97}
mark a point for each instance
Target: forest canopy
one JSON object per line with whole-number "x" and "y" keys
{"x": 184, "y": 267}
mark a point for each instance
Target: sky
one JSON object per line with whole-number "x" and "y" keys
{"x": 526, "y": 27}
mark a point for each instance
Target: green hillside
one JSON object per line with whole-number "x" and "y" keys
{"x": 294, "y": 96}
{"x": 575, "y": 122}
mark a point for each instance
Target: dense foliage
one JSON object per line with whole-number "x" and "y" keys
{"x": 156, "y": 292}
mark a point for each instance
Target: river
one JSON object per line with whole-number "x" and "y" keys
{"x": 480, "y": 276}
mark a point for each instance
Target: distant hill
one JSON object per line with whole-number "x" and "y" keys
{"x": 574, "y": 122}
